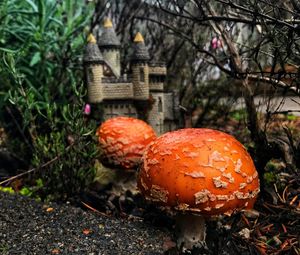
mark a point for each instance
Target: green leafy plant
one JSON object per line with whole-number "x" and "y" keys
{"x": 42, "y": 94}
{"x": 46, "y": 38}
{"x": 62, "y": 142}
{"x": 32, "y": 191}
{"x": 70, "y": 147}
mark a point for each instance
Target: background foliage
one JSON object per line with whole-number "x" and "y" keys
{"x": 41, "y": 93}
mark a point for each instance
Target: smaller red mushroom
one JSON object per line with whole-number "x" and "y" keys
{"x": 199, "y": 173}
{"x": 123, "y": 141}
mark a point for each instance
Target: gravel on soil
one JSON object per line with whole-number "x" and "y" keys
{"x": 29, "y": 227}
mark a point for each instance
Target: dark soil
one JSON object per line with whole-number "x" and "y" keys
{"x": 28, "y": 227}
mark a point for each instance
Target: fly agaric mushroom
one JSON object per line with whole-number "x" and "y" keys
{"x": 199, "y": 173}
{"x": 123, "y": 140}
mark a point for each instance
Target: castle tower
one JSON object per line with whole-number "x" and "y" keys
{"x": 159, "y": 113}
{"x": 140, "y": 69}
{"x": 109, "y": 46}
{"x": 93, "y": 67}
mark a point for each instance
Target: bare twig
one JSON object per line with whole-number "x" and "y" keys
{"x": 36, "y": 168}
{"x": 275, "y": 82}
{"x": 189, "y": 40}
{"x": 256, "y": 13}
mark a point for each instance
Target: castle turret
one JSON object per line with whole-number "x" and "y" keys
{"x": 93, "y": 65}
{"x": 109, "y": 46}
{"x": 140, "y": 69}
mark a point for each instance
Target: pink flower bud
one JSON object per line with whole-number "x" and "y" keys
{"x": 214, "y": 43}
{"x": 87, "y": 109}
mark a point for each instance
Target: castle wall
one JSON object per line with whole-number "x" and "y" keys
{"x": 156, "y": 114}
{"x": 94, "y": 74}
{"x": 140, "y": 80}
{"x": 112, "y": 58}
{"x": 158, "y": 70}
{"x": 118, "y": 108}
{"x": 168, "y": 106}
{"x": 169, "y": 114}
{"x": 117, "y": 91}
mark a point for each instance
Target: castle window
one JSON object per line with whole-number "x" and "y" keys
{"x": 159, "y": 106}
{"x": 90, "y": 74}
{"x": 142, "y": 77}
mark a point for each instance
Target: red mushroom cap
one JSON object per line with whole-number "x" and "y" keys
{"x": 199, "y": 170}
{"x": 123, "y": 140}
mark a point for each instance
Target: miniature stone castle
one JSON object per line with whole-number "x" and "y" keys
{"x": 138, "y": 93}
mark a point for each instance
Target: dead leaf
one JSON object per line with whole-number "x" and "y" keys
{"x": 55, "y": 251}
{"x": 86, "y": 231}
{"x": 49, "y": 209}
{"x": 168, "y": 244}
{"x": 17, "y": 185}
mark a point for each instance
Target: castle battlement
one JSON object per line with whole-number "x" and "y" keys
{"x": 157, "y": 70}
{"x": 117, "y": 91}
{"x": 139, "y": 93}
{"x": 122, "y": 79}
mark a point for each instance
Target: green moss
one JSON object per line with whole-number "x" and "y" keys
{"x": 7, "y": 189}
{"x": 274, "y": 166}
{"x": 270, "y": 178}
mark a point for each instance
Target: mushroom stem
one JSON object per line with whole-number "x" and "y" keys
{"x": 190, "y": 230}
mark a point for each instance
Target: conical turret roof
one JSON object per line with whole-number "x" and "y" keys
{"x": 92, "y": 53}
{"x": 140, "y": 51}
{"x": 108, "y": 38}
